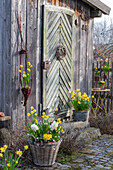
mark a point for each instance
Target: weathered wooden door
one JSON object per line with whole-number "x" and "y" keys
{"x": 58, "y": 80}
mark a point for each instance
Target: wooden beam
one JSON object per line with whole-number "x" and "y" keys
{"x": 95, "y": 13}
{"x": 98, "y": 5}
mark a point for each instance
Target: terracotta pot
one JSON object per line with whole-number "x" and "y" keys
{"x": 101, "y": 86}
{"x": 80, "y": 115}
{"x": 45, "y": 154}
{"x": 97, "y": 78}
{"x": 26, "y": 93}
{"x": 2, "y": 114}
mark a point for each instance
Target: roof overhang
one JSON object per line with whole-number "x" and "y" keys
{"x": 98, "y": 5}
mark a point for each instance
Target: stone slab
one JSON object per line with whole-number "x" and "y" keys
{"x": 5, "y": 118}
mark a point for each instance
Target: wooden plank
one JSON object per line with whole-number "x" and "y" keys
{"x": 5, "y": 118}
{"x": 99, "y": 5}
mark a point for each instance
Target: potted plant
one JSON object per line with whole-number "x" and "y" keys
{"x": 106, "y": 68}
{"x": 25, "y": 77}
{"x": 44, "y": 138}
{"x": 81, "y": 105}
{"x": 101, "y": 84}
{"x": 97, "y": 74}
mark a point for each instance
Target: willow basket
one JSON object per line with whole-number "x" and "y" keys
{"x": 44, "y": 155}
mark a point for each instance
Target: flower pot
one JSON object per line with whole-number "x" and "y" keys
{"x": 97, "y": 78}
{"x": 80, "y": 115}
{"x": 44, "y": 155}
{"x": 26, "y": 93}
{"x": 101, "y": 86}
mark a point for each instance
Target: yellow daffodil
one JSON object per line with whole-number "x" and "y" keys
{"x": 36, "y": 121}
{"x": 78, "y": 102}
{"x": 32, "y": 112}
{"x": 59, "y": 119}
{"x": 2, "y": 149}
{"x": 5, "y": 146}
{"x": 45, "y": 118}
{"x": 29, "y": 63}
{"x": 43, "y": 113}
{"x": 21, "y": 66}
{"x": 59, "y": 122}
{"x": 56, "y": 129}
{"x": 101, "y": 59}
{"x": 78, "y": 90}
{"x": 16, "y": 162}
{"x": 19, "y": 71}
{"x": 31, "y": 66}
{"x": 92, "y": 96}
{"x": 28, "y": 114}
{"x": 24, "y": 72}
{"x": 24, "y": 75}
{"x": 36, "y": 114}
{"x": 56, "y": 109}
{"x": 69, "y": 92}
{"x": 106, "y": 59}
{"x": 32, "y": 107}
{"x": 8, "y": 165}
{"x": 19, "y": 153}
{"x": 62, "y": 130}
{"x": 26, "y": 147}
{"x": 60, "y": 127}
{"x": 28, "y": 69}
{"x": 1, "y": 155}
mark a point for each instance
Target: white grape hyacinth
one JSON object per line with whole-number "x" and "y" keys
{"x": 34, "y": 127}
{"x": 54, "y": 125}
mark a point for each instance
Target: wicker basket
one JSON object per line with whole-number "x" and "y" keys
{"x": 44, "y": 155}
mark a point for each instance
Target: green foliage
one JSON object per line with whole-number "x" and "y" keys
{"x": 43, "y": 130}
{"x": 101, "y": 82}
{"x": 80, "y": 103}
{"x": 9, "y": 161}
{"x": 106, "y": 67}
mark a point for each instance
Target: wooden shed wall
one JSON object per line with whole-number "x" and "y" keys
{"x": 31, "y": 13}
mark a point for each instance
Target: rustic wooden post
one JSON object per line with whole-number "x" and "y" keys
{"x": 40, "y": 110}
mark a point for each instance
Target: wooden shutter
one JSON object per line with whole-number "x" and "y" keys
{"x": 58, "y": 80}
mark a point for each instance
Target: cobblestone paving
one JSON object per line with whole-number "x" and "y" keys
{"x": 96, "y": 156}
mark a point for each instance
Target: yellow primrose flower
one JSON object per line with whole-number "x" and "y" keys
{"x": 60, "y": 127}
{"x": 1, "y": 155}
{"x": 16, "y": 162}
{"x": 28, "y": 114}
{"x": 32, "y": 107}
{"x": 29, "y": 63}
{"x": 45, "y": 118}
{"x": 78, "y": 102}
{"x": 31, "y": 66}
{"x": 101, "y": 59}
{"x": 69, "y": 92}
{"x": 78, "y": 90}
{"x": 56, "y": 109}
{"x": 62, "y": 130}
{"x": 24, "y": 72}
{"x": 42, "y": 116}
{"x": 32, "y": 112}
{"x": 19, "y": 71}
{"x": 73, "y": 93}
{"x": 28, "y": 69}
{"x": 36, "y": 114}
{"x": 24, "y": 75}
{"x": 56, "y": 129}
{"x": 19, "y": 153}
{"x": 26, "y": 147}
{"x": 21, "y": 66}
{"x": 8, "y": 165}
{"x": 92, "y": 96}
{"x": 47, "y": 136}
{"x": 79, "y": 94}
